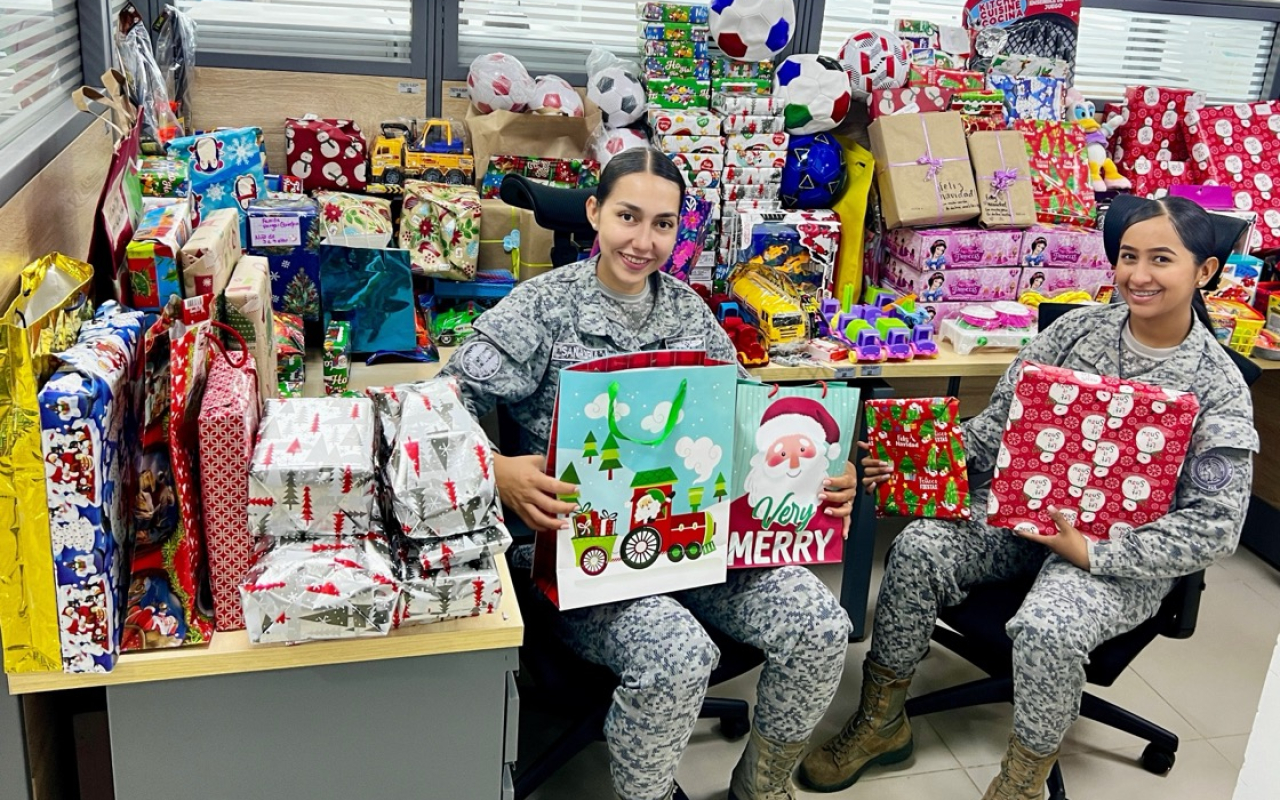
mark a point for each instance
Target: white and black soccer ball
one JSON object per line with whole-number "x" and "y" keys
{"x": 497, "y": 81}
{"x": 874, "y": 59}
{"x": 554, "y": 95}
{"x": 619, "y": 94}
{"x": 814, "y": 91}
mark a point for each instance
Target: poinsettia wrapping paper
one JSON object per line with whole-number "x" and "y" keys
{"x": 1105, "y": 452}
{"x": 313, "y": 468}
{"x": 923, "y": 441}
{"x": 1059, "y": 171}
{"x": 440, "y": 227}
{"x": 85, "y": 409}
{"x": 305, "y": 589}
{"x": 354, "y": 220}
{"x": 438, "y": 468}
{"x": 1239, "y": 147}
{"x": 228, "y": 424}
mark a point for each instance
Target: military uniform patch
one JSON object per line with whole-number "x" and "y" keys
{"x": 480, "y": 360}
{"x": 1212, "y": 472}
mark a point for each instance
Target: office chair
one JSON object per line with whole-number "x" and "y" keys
{"x": 561, "y": 211}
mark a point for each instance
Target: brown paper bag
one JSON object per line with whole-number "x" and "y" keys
{"x": 506, "y": 133}
{"x": 1004, "y": 179}
{"x": 526, "y": 255}
{"x": 923, "y": 169}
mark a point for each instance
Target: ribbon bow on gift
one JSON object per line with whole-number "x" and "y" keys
{"x": 931, "y": 161}
{"x": 934, "y": 164}
{"x": 1004, "y": 179}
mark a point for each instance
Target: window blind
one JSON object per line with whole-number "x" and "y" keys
{"x": 548, "y": 36}
{"x": 39, "y": 61}
{"x": 1227, "y": 58}
{"x": 352, "y": 30}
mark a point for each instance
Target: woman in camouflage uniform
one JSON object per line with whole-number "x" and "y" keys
{"x": 1085, "y": 592}
{"x": 619, "y": 303}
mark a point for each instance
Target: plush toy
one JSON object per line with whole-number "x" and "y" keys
{"x": 1103, "y": 174}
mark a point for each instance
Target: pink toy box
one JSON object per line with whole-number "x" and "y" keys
{"x": 1053, "y": 281}
{"x": 1063, "y": 246}
{"x": 941, "y": 312}
{"x": 950, "y": 248}
{"x": 968, "y": 285}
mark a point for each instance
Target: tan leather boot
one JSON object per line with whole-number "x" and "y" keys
{"x": 1022, "y": 774}
{"x": 879, "y": 734}
{"x": 764, "y": 771}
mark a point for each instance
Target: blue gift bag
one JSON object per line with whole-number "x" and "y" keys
{"x": 373, "y": 290}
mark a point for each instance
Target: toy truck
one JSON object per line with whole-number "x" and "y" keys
{"x": 434, "y": 152}
{"x": 770, "y": 306}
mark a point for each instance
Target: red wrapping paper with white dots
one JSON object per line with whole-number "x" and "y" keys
{"x": 1239, "y": 147}
{"x": 1154, "y": 124}
{"x": 326, "y": 153}
{"x": 1105, "y": 452}
{"x": 313, "y": 468}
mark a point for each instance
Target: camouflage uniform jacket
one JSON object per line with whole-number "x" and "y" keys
{"x": 1214, "y": 487}
{"x": 560, "y": 319}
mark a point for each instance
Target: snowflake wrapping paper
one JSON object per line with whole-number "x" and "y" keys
{"x": 225, "y": 168}
{"x": 313, "y": 468}
{"x": 1105, "y": 452}
{"x": 86, "y": 409}
{"x": 228, "y": 423}
{"x": 286, "y": 230}
{"x": 923, "y": 441}
{"x": 1029, "y": 98}
{"x": 306, "y": 589}
{"x": 438, "y": 465}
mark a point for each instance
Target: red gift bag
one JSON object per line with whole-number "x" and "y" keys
{"x": 228, "y": 424}
{"x": 326, "y": 153}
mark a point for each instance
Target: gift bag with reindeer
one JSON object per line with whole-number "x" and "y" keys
{"x": 645, "y": 439}
{"x": 921, "y": 438}
{"x": 789, "y": 440}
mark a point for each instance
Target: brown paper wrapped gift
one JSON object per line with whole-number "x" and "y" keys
{"x": 923, "y": 169}
{"x": 533, "y": 135}
{"x": 526, "y": 255}
{"x": 1004, "y": 179}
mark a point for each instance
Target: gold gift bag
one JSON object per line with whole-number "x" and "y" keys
{"x": 44, "y": 319}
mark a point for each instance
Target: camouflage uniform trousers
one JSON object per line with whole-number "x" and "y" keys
{"x": 664, "y": 658}
{"x": 1067, "y": 613}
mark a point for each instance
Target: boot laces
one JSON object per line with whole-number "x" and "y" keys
{"x": 858, "y": 729}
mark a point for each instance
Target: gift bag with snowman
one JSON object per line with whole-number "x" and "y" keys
{"x": 1106, "y": 452}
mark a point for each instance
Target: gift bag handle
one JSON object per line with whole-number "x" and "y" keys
{"x": 244, "y": 346}
{"x": 677, "y": 404}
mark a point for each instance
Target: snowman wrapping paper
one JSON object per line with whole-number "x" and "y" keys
{"x": 1106, "y": 452}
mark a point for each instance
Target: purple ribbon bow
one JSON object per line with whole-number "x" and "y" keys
{"x": 1004, "y": 179}
{"x": 932, "y": 162}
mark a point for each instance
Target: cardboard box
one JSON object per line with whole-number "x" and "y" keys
{"x": 1063, "y": 246}
{"x": 511, "y": 239}
{"x": 1053, "y": 281}
{"x": 211, "y": 253}
{"x": 981, "y": 284}
{"x": 153, "y": 255}
{"x": 953, "y": 248}
{"x": 1003, "y": 172}
{"x": 923, "y": 169}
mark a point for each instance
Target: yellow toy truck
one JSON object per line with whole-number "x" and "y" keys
{"x": 769, "y": 305}
{"x": 435, "y": 152}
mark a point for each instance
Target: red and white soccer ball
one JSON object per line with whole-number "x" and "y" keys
{"x": 874, "y": 59}
{"x": 499, "y": 82}
{"x": 752, "y": 30}
{"x": 607, "y": 142}
{"x": 554, "y": 95}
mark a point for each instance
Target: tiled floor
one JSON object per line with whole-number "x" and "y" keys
{"x": 1205, "y": 689}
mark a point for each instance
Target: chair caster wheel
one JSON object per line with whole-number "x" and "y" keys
{"x": 734, "y": 727}
{"x": 1157, "y": 760}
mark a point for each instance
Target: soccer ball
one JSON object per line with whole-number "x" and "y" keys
{"x": 498, "y": 81}
{"x": 814, "y": 174}
{"x": 619, "y": 94}
{"x": 814, "y": 91}
{"x": 752, "y": 30}
{"x": 874, "y": 59}
{"x": 554, "y": 95}
{"x": 607, "y": 142}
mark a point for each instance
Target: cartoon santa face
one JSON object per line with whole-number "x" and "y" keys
{"x": 796, "y": 443}
{"x": 1119, "y": 529}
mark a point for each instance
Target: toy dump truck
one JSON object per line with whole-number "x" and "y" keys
{"x": 433, "y": 151}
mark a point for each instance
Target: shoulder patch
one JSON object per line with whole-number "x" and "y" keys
{"x": 1211, "y": 472}
{"x": 479, "y": 360}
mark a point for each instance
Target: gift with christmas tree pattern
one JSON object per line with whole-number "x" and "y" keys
{"x": 287, "y": 231}
{"x": 313, "y": 468}
{"x": 922, "y": 440}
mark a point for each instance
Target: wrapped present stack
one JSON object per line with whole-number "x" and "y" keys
{"x": 674, "y": 43}
{"x": 1151, "y": 140}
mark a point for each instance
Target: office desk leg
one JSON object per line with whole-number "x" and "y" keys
{"x": 431, "y": 726}
{"x": 14, "y": 781}
{"x": 855, "y": 584}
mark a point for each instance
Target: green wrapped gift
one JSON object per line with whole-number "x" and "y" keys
{"x": 337, "y": 359}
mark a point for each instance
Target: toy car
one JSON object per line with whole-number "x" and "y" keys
{"x": 748, "y": 341}
{"x": 770, "y": 306}
{"x": 453, "y": 327}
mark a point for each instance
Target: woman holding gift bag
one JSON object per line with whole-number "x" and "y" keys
{"x": 1085, "y": 591}
{"x": 619, "y": 302}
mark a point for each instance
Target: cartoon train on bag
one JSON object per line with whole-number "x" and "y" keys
{"x": 654, "y": 529}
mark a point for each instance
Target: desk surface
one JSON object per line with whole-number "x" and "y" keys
{"x": 231, "y": 653}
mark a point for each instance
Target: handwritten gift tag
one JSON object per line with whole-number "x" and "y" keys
{"x": 275, "y": 231}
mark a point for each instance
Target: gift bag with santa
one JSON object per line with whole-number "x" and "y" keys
{"x": 788, "y": 440}
{"x": 645, "y": 440}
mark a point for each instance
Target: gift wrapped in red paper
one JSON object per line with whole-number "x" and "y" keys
{"x": 922, "y": 439}
{"x": 1059, "y": 171}
{"x": 1154, "y": 179}
{"x": 1155, "y": 124}
{"x": 1105, "y": 452}
{"x": 925, "y": 98}
{"x": 1239, "y": 147}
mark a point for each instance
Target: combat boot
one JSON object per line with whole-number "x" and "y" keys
{"x": 1022, "y": 774}
{"x": 764, "y": 771}
{"x": 879, "y": 734}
